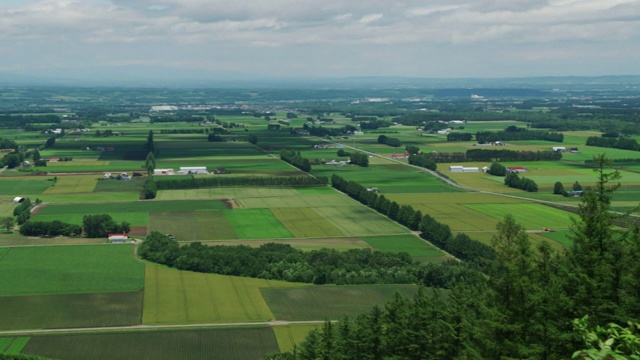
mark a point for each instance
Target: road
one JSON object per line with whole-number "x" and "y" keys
{"x": 153, "y": 327}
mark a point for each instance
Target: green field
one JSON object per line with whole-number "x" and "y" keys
{"x": 214, "y": 344}
{"x": 69, "y": 269}
{"x": 305, "y": 222}
{"x": 331, "y": 302}
{"x": 184, "y": 297}
{"x": 358, "y": 220}
{"x": 193, "y": 225}
{"x": 225, "y": 193}
{"x": 70, "y": 311}
{"x": 12, "y": 345}
{"x": 73, "y": 184}
{"x": 338, "y": 243}
{"x": 416, "y": 247}
{"x": 256, "y": 224}
{"x": 12, "y": 187}
{"x": 289, "y": 336}
{"x": 531, "y": 216}
{"x": 297, "y": 201}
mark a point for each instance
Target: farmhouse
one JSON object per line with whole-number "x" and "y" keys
{"x": 517, "y": 169}
{"x": 118, "y": 238}
{"x": 400, "y": 156}
{"x": 444, "y": 131}
{"x": 193, "y": 170}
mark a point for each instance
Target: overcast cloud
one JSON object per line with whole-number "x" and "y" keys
{"x": 302, "y": 38}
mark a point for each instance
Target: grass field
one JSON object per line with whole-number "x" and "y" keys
{"x": 419, "y": 249}
{"x": 69, "y": 269}
{"x": 73, "y": 184}
{"x": 12, "y": 187}
{"x": 225, "y": 193}
{"x": 215, "y": 344}
{"x": 331, "y": 302}
{"x": 184, "y": 297}
{"x": 12, "y": 345}
{"x": 305, "y": 222}
{"x": 256, "y": 224}
{"x": 359, "y": 220}
{"x": 531, "y": 216}
{"x": 299, "y": 201}
{"x": 70, "y": 311}
{"x": 290, "y": 335}
{"x": 193, "y": 225}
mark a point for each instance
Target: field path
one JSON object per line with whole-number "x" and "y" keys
{"x": 156, "y": 327}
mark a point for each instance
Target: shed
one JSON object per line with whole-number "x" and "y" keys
{"x": 456, "y": 168}
{"x": 17, "y": 199}
{"x": 193, "y": 170}
{"x": 470, "y": 169}
{"x": 118, "y": 238}
{"x": 163, "y": 172}
{"x": 517, "y": 169}
{"x": 559, "y": 148}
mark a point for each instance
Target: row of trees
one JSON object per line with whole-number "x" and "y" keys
{"x": 423, "y": 160}
{"x": 459, "y": 136}
{"x": 50, "y": 228}
{"x": 433, "y": 231}
{"x": 514, "y": 181}
{"x": 524, "y": 308}
{"x": 373, "y": 124}
{"x": 497, "y": 169}
{"x": 360, "y": 159}
{"x": 616, "y": 143}
{"x": 472, "y": 155}
{"x": 384, "y": 139}
{"x": 294, "y": 158}
{"x": 149, "y": 189}
{"x": 513, "y": 133}
{"x": 23, "y": 211}
{"x": 101, "y": 225}
{"x": 206, "y": 182}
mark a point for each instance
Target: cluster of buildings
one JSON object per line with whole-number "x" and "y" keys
{"x": 188, "y": 170}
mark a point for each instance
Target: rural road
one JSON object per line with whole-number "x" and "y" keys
{"x": 154, "y": 327}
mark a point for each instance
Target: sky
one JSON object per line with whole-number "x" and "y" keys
{"x": 320, "y": 38}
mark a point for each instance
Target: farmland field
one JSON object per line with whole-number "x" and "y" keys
{"x": 357, "y": 220}
{"x": 69, "y": 269}
{"x": 193, "y": 225}
{"x": 417, "y": 248}
{"x": 73, "y": 184}
{"x": 256, "y": 224}
{"x": 215, "y": 344}
{"x": 305, "y": 222}
{"x": 184, "y": 297}
{"x": 225, "y": 192}
{"x": 332, "y": 302}
{"x": 12, "y": 345}
{"x": 70, "y": 311}
{"x": 12, "y": 187}
{"x": 299, "y": 201}
{"x": 531, "y": 216}
{"x": 290, "y": 335}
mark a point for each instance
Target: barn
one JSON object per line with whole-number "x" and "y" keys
{"x": 118, "y": 238}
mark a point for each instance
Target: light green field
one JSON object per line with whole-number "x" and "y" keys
{"x": 193, "y": 225}
{"x": 89, "y": 198}
{"x": 225, "y": 193}
{"x": 69, "y": 269}
{"x": 289, "y": 336}
{"x": 531, "y": 216}
{"x": 418, "y": 248}
{"x": 360, "y": 220}
{"x": 7, "y": 209}
{"x": 184, "y": 297}
{"x": 299, "y": 201}
{"x": 305, "y": 222}
{"x": 256, "y": 224}
{"x": 12, "y": 345}
{"x": 20, "y": 186}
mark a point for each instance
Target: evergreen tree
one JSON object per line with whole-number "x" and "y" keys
{"x": 558, "y": 188}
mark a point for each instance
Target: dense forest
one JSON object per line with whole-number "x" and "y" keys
{"x": 533, "y": 303}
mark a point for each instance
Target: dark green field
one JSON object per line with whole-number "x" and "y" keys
{"x": 217, "y": 344}
{"x": 331, "y": 302}
{"x": 69, "y": 269}
{"x": 417, "y": 248}
{"x": 70, "y": 311}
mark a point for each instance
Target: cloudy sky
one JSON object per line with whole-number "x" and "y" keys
{"x": 322, "y": 38}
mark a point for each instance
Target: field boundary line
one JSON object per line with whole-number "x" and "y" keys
{"x": 143, "y": 327}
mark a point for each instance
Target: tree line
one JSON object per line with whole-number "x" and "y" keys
{"x": 294, "y": 158}
{"x": 423, "y": 160}
{"x": 513, "y": 133}
{"x": 495, "y": 155}
{"x": 615, "y": 143}
{"x": 93, "y": 226}
{"x": 383, "y": 139}
{"x": 460, "y": 245}
{"x": 512, "y": 180}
